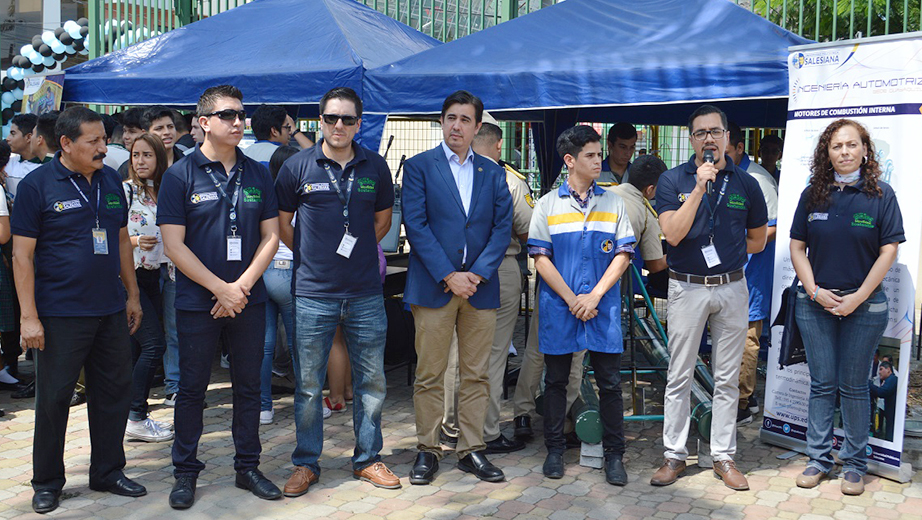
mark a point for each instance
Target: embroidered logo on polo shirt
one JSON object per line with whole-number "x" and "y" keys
{"x": 197, "y": 198}
{"x": 366, "y": 185}
{"x": 65, "y": 205}
{"x": 817, "y": 216}
{"x": 683, "y": 197}
{"x": 252, "y": 194}
{"x": 862, "y": 220}
{"x": 736, "y": 201}
{"x": 316, "y": 186}
{"x": 607, "y": 245}
{"x": 112, "y": 201}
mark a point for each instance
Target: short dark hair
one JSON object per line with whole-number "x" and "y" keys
{"x": 463, "y": 97}
{"x": 46, "y": 127}
{"x": 772, "y": 139}
{"x": 621, "y": 131}
{"x": 5, "y": 152}
{"x": 574, "y": 139}
{"x": 182, "y": 122}
{"x": 736, "y": 133}
{"x": 210, "y": 97}
{"x": 704, "y": 110}
{"x": 132, "y": 117}
{"x": 645, "y": 171}
{"x": 887, "y": 365}
{"x": 489, "y": 133}
{"x": 342, "y": 93}
{"x": 25, "y": 122}
{"x": 265, "y": 119}
{"x": 109, "y": 123}
{"x": 117, "y": 134}
{"x": 154, "y": 113}
{"x": 279, "y": 156}
{"x": 70, "y": 121}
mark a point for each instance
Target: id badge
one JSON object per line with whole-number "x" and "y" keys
{"x": 100, "y": 242}
{"x": 234, "y": 249}
{"x": 710, "y": 255}
{"x": 346, "y": 245}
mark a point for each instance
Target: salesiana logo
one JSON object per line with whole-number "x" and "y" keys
{"x": 797, "y": 60}
{"x": 863, "y": 220}
{"x": 65, "y": 205}
{"x": 197, "y": 198}
{"x": 801, "y": 60}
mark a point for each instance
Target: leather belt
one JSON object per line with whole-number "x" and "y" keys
{"x": 281, "y": 264}
{"x": 708, "y": 281}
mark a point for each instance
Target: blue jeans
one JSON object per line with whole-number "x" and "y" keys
{"x": 839, "y": 355}
{"x": 171, "y": 356}
{"x": 278, "y": 285}
{"x": 147, "y": 343}
{"x": 364, "y": 325}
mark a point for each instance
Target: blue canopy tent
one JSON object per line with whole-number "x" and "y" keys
{"x": 287, "y": 52}
{"x": 646, "y": 62}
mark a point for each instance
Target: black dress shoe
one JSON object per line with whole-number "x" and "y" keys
{"x": 614, "y": 471}
{"x": 424, "y": 468}
{"x": 478, "y": 464}
{"x": 183, "y": 494}
{"x": 26, "y": 391}
{"x": 553, "y": 465}
{"x": 503, "y": 445}
{"x": 523, "y": 427}
{"x": 123, "y": 486}
{"x": 46, "y": 500}
{"x": 258, "y": 484}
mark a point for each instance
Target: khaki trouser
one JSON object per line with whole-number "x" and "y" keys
{"x": 526, "y": 389}
{"x": 434, "y": 330}
{"x": 510, "y": 300}
{"x": 750, "y": 361}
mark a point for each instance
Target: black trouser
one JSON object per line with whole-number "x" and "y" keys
{"x": 199, "y": 334}
{"x": 147, "y": 344}
{"x": 100, "y": 346}
{"x": 607, "y": 369}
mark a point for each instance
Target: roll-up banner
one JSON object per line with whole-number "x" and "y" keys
{"x": 878, "y": 82}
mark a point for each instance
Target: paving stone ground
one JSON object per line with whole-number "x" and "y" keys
{"x": 581, "y": 494}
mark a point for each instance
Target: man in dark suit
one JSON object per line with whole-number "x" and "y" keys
{"x": 458, "y": 217}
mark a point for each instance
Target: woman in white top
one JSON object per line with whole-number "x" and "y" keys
{"x": 145, "y": 170}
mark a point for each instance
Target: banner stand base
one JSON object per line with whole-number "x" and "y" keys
{"x": 902, "y": 474}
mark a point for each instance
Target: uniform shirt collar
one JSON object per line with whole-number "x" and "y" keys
{"x": 200, "y": 160}
{"x": 61, "y": 172}
{"x": 357, "y": 151}
{"x": 691, "y": 167}
{"x": 449, "y": 154}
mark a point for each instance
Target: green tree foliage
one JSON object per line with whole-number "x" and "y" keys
{"x": 841, "y": 19}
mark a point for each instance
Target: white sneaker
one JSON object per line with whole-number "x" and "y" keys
{"x": 147, "y": 431}
{"x": 163, "y": 425}
{"x": 170, "y": 399}
{"x": 327, "y": 413}
{"x": 225, "y": 361}
{"x": 266, "y": 416}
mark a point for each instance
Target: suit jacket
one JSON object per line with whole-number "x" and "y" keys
{"x": 438, "y": 229}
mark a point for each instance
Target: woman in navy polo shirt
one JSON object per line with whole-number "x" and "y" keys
{"x": 844, "y": 239}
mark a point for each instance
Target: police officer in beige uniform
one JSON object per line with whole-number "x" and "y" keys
{"x": 489, "y": 142}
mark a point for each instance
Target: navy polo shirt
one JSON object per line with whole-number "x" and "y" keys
{"x": 844, "y": 238}
{"x": 741, "y": 208}
{"x": 303, "y": 186}
{"x": 189, "y": 198}
{"x": 70, "y": 280}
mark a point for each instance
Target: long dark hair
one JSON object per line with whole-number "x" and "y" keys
{"x": 279, "y": 156}
{"x": 159, "y": 153}
{"x": 822, "y": 173}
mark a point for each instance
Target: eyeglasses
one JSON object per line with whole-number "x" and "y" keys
{"x": 286, "y": 127}
{"x": 716, "y": 133}
{"x": 331, "y": 119}
{"x": 229, "y": 114}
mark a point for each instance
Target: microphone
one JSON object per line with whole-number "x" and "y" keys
{"x": 708, "y": 157}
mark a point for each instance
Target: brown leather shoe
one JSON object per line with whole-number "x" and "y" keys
{"x": 379, "y": 475}
{"x": 300, "y": 480}
{"x": 726, "y": 470}
{"x": 852, "y": 483}
{"x": 811, "y": 477}
{"x": 668, "y": 472}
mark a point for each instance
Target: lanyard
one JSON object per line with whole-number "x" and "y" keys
{"x": 231, "y": 201}
{"x": 343, "y": 197}
{"x": 713, "y": 211}
{"x": 85, "y": 199}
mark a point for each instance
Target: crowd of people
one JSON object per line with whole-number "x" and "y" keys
{"x": 155, "y": 239}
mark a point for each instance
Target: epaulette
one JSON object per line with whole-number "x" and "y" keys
{"x": 513, "y": 171}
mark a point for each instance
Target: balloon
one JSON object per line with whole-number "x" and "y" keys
{"x": 37, "y": 41}
{"x": 49, "y": 61}
{"x": 84, "y": 31}
{"x": 83, "y": 21}
{"x": 37, "y": 69}
{"x": 48, "y": 38}
{"x": 7, "y": 98}
{"x": 58, "y": 32}
{"x": 74, "y": 32}
{"x": 20, "y": 84}
{"x": 78, "y": 45}
{"x": 17, "y": 61}
{"x": 66, "y": 39}
{"x": 84, "y": 52}
{"x": 17, "y": 92}
{"x": 8, "y": 83}
{"x": 59, "y": 57}
{"x": 6, "y": 130}
{"x": 57, "y": 47}
{"x": 70, "y": 49}
{"x": 45, "y": 50}
{"x": 17, "y": 105}
{"x": 15, "y": 73}
{"x": 35, "y": 58}
{"x": 7, "y": 113}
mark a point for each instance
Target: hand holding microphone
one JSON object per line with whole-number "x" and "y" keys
{"x": 708, "y": 157}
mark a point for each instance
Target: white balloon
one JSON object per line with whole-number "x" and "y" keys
{"x": 74, "y": 32}
{"x": 36, "y": 58}
{"x": 69, "y": 49}
{"x": 15, "y": 73}
{"x": 48, "y": 61}
{"x": 49, "y": 38}
{"x": 6, "y": 130}
{"x": 70, "y": 24}
{"x": 26, "y": 50}
{"x": 17, "y": 92}
{"x": 84, "y": 52}
{"x": 57, "y": 47}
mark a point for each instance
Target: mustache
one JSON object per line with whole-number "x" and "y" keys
{"x": 99, "y": 157}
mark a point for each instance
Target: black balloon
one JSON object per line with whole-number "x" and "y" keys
{"x": 38, "y": 68}
{"x": 60, "y": 57}
{"x": 84, "y": 31}
{"x": 78, "y": 45}
{"x": 7, "y": 114}
{"x": 83, "y": 22}
{"x": 17, "y": 61}
{"x": 58, "y": 32}
{"x": 17, "y": 105}
{"x": 45, "y": 50}
{"x": 8, "y": 83}
{"x": 37, "y": 41}
{"x": 66, "y": 38}
{"x": 21, "y": 84}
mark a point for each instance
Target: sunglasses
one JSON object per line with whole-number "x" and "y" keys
{"x": 229, "y": 114}
{"x": 331, "y": 119}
